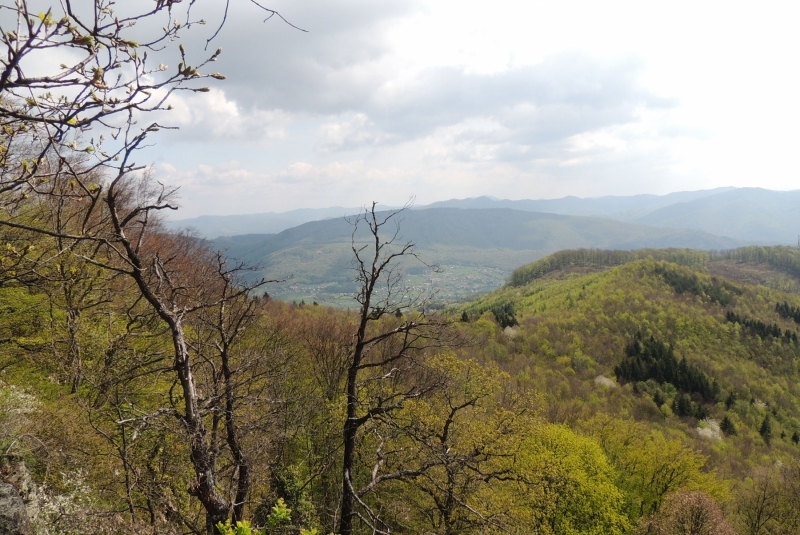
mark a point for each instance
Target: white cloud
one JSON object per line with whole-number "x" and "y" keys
{"x": 214, "y": 118}
{"x": 597, "y": 140}
{"x": 448, "y": 99}
{"x": 229, "y": 188}
{"x": 349, "y": 133}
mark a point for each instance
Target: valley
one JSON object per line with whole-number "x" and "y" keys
{"x": 476, "y": 249}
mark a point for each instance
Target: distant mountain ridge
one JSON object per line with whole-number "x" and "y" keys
{"x": 214, "y": 226}
{"x": 622, "y": 208}
{"x": 752, "y": 215}
{"x": 493, "y": 228}
{"x": 748, "y": 215}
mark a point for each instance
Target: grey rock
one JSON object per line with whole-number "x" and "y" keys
{"x": 18, "y": 498}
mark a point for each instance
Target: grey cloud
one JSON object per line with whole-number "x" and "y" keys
{"x": 342, "y": 68}
{"x": 564, "y": 95}
{"x": 324, "y": 71}
{"x": 349, "y": 133}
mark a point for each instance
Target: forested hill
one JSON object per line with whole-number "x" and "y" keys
{"x": 755, "y": 215}
{"x": 477, "y": 248}
{"x": 777, "y": 267}
{"x": 623, "y": 208}
{"x": 491, "y": 228}
{"x": 618, "y": 314}
{"x": 675, "y": 350}
{"x": 751, "y": 215}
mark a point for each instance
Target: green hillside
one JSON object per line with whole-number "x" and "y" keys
{"x": 777, "y": 267}
{"x": 571, "y": 319}
{"x": 476, "y": 249}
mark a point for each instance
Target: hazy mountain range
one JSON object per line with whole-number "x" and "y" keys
{"x": 621, "y": 208}
{"x": 213, "y": 226}
{"x": 750, "y": 215}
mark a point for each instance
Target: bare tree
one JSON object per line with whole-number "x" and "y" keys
{"x": 769, "y": 502}
{"x": 70, "y": 135}
{"x": 385, "y": 368}
{"x": 687, "y": 513}
{"x": 179, "y": 280}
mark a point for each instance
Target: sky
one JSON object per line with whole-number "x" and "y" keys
{"x": 438, "y": 99}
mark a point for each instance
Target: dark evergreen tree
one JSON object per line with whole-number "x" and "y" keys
{"x": 683, "y": 282}
{"x": 730, "y": 400}
{"x": 761, "y": 329}
{"x": 700, "y": 411}
{"x": 682, "y": 405}
{"x": 650, "y": 359}
{"x": 504, "y": 314}
{"x": 727, "y": 426}
{"x": 787, "y": 311}
{"x": 766, "y": 429}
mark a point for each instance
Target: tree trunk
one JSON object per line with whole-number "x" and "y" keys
{"x": 350, "y": 431}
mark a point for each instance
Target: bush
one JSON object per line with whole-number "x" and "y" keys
{"x": 687, "y": 513}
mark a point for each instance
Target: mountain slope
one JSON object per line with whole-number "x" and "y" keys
{"x": 775, "y": 267}
{"x": 477, "y": 248}
{"x": 570, "y": 330}
{"x": 752, "y": 214}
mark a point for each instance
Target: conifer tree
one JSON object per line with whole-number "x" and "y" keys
{"x": 766, "y": 429}
{"x": 727, "y": 426}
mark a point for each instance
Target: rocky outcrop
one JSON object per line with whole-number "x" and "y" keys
{"x": 18, "y": 498}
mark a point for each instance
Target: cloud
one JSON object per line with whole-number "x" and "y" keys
{"x": 564, "y": 111}
{"x": 232, "y": 188}
{"x": 326, "y": 70}
{"x": 343, "y": 114}
{"x": 542, "y": 103}
{"x": 345, "y": 77}
{"x": 349, "y": 132}
{"x": 213, "y": 117}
